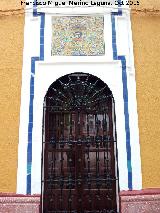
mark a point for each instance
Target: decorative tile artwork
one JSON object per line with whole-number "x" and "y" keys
{"x": 78, "y": 36}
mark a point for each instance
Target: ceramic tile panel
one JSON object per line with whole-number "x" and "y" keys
{"x": 78, "y": 36}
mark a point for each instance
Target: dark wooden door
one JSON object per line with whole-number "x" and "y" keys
{"x": 78, "y": 168}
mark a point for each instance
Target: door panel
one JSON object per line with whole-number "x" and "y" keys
{"x": 79, "y": 159}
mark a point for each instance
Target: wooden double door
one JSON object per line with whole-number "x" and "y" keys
{"x": 78, "y": 162}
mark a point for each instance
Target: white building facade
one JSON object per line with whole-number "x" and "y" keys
{"x": 49, "y": 55}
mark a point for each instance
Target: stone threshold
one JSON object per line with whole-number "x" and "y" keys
{"x": 136, "y": 201}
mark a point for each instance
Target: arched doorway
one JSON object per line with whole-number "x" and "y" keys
{"x": 79, "y": 165}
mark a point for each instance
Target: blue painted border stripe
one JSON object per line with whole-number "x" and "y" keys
{"x": 30, "y": 124}
{"x": 125, "y": 94}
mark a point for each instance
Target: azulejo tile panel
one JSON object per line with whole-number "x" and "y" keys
{"x": 78, "y": 36}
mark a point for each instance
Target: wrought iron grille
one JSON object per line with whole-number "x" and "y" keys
{"x": 79, "y": 173}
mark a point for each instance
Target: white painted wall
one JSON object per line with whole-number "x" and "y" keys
{"x": 54, "y": 67}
